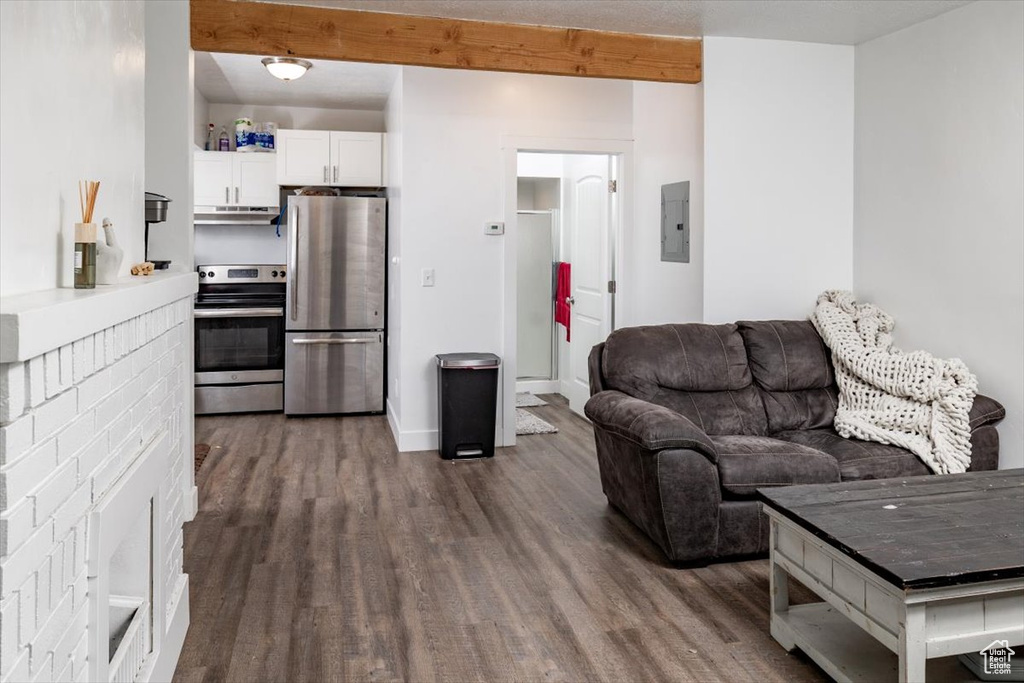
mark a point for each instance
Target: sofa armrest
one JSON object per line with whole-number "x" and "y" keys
{"x": 985, "y": 411}
{"x": 650, "y": 426}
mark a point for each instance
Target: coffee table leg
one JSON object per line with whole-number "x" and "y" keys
{"x": 778, "y": 583}
{"x": 912, "y": 644}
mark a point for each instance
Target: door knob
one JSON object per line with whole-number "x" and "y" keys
{"x": 571, "y": 300}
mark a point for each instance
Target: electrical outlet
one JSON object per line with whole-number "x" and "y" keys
{"x": 495, "y": 228}
{"x": 427, "y": 277}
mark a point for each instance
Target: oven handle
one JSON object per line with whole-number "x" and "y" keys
{"x": 239, "y": 312}
{"x": 336, "y": 341}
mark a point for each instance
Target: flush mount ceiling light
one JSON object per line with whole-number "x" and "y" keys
{"x": 286, "y": 68}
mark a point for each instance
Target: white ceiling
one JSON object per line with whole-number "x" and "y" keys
{"x": 242, "y": 79}
{"x": 817, "y": 21}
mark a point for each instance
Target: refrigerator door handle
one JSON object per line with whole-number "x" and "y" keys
{"x": 293, "y": 260}
{"x": 336, "y": 341}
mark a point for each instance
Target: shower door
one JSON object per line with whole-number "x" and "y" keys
{"x": 536, "y": 240}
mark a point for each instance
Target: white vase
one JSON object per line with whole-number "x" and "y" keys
{"x": 109, "y": 255}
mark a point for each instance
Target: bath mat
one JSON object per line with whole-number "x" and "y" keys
{"x": 528, "y": 400}
{"x": 528, "y": 423}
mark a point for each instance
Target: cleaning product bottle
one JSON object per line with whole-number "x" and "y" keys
{"x": 211, "y": 142}
{"x": 225, "y": 142}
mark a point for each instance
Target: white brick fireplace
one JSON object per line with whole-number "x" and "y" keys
{"x": 95, "y": 475}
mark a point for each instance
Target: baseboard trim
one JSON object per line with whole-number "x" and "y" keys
{"x": 193, "y": 504}
{"x": 396, "y": 430}
{"x": 423, "y": 440}
{"x": 538, "y": 386}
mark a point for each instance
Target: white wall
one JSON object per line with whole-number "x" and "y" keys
{"x": 71, "y": 108}
{"x": 453, "y": 124}
{"x": 395, "y": 180}
{"x": 301, "y": 118}
{"x": 778, "y": 173}
{"x": 240, "y": 244}
{"x": 668, "y": 125}
{"x": 939, "y": 202}
{"x": 200, "y": 118}
{"x": 170, "y": 89}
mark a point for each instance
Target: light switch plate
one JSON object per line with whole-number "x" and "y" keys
{"x": 427, "y": 277}
{"x": 495, "y": 228}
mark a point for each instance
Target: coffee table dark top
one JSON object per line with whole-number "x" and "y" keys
{"x": 944, "y": 530}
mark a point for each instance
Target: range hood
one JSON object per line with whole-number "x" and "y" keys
{"x": 235, "y": 215}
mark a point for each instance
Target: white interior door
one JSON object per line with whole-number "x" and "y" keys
{"x": 588, "y": 213}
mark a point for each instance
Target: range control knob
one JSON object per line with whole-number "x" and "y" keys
{"x": 209, "y": 274}
{"x": 202, "y": 273}
{"x": 282, "y": 273}
{"x": 273, "y": 273}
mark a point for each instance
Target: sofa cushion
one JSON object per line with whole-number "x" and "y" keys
{"x": 786, "y": 355}
{"x": 793, "y": 368}
{"x": 697, "y": 370}
{"x": 859, "y": 459}
{"x": 746, "y": 463}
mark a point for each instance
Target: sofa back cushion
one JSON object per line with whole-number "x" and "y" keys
{"x": 697, "y": 370}
{"x": 793, "y": 369}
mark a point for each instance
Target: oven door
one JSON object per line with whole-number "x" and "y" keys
{"x": 239, "y": 345}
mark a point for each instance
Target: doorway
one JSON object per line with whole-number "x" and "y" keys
{"x": 567, "y": 210}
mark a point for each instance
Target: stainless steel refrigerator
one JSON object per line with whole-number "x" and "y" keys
{"x": 334, "y": 315}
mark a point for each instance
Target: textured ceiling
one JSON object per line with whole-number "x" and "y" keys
{"x": 817, "y": 21}
{"x": 242, "y": 79}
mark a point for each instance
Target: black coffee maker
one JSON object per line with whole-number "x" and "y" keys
{"x": 156, "y": 212}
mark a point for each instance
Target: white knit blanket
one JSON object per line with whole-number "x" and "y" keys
{"x": 912, "y": 400}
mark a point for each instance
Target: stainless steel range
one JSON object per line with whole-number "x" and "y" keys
{"x": 240, "y": 339}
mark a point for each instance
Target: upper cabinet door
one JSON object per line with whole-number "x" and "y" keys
{"x": 212, "y": 179}
{"x": 303, "y": 157}
{"x": 255, "y": 180}
{"x": 356, "y": 159}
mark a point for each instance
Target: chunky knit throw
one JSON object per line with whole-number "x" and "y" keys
{"x": 912, "y": 400}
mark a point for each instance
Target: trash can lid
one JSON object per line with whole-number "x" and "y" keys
{"x": 468, "y": 360}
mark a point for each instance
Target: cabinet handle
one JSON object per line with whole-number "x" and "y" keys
{"x": 325, "y": 174}
{"x": 236, "y": 195}
{"x": 335, "y": 174}
{"x": 227, "y": 195}
{"x": 336, "y": 341}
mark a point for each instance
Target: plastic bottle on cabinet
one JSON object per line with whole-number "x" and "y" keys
{"x": 224, "y": 144}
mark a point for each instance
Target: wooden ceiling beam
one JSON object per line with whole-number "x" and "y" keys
{"x": 272, "y": 29}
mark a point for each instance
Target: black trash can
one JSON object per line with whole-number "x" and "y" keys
{"x": 467, "y": 400}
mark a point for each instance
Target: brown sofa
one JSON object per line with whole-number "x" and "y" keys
{"x": 690, "y": 420}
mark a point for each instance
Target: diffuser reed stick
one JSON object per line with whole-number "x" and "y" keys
{"x": 85, "y": 236}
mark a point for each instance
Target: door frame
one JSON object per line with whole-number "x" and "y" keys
{"x": 621, "y": 210}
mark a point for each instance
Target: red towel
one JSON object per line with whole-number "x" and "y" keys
{"x": 563, "y": 290}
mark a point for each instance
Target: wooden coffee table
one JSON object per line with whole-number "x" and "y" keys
{"x": 925, "y": 566}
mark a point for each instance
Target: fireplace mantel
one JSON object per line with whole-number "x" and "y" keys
{"x": 35, "y": 323}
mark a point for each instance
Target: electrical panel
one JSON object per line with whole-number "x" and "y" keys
{"x": 675, "y": 222}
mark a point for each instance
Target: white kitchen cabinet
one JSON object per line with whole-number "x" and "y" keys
{"x": 320, "y": 157}
{"x": 303, "y": 157}
{"x": 235, "y": 179}
{"x": 212, "y": 178}
{"x": 356, "y": 159}
{"x": 256, "y": 179}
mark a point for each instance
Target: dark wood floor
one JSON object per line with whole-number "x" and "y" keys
{"x": 320, "y": 553}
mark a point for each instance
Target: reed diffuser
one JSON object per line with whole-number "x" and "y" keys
{"x": 85, "y": 236}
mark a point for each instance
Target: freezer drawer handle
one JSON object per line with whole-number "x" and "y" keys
{"x": 335, "y": 341}
{"x": 239, "y": 312}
